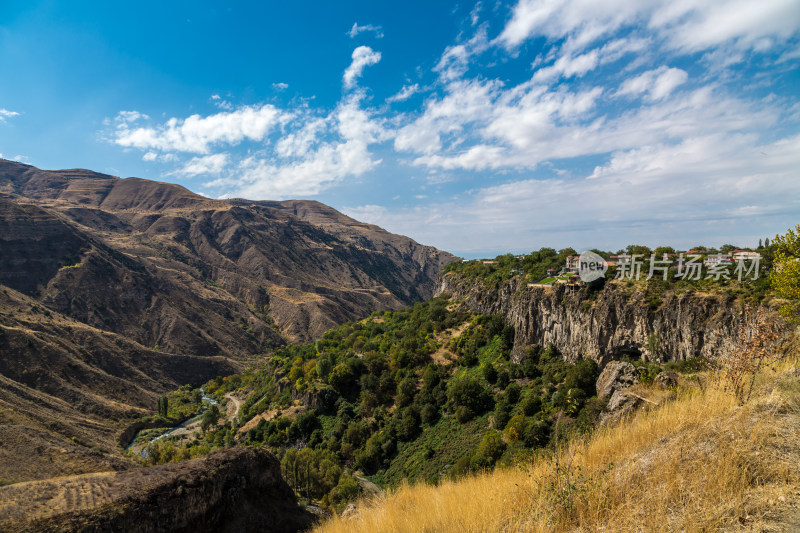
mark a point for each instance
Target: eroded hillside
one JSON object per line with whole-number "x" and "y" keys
{"x": 167, "y": 267}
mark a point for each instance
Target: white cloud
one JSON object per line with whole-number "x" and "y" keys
{"x": 128, "y": 117}
{"x": 568, "y": 67}
{"x": 221, "y": 103}
{"x": 582, "y": 20}
{"x": 5, "y": 114}
{"x": 684, "y": 24}
{"x": 479, "y": 126}
{"x": 658, "y": 83}
{"x": 197, "y": 134}
{"x": 465, "y": 103}
{"x": 356, "y": 29}
{"x": 321, "y": 153}
{"x": 454, "y": 61}
{"x": 693, "y": 26}
{"x": 298, "y": 143}
{"x": 280, "y": 86}
{"x": 363, "y": 56}
{"x": 163, "y": 158}
{"x": 209, "y": 164}
{"x": 405, "y": 93}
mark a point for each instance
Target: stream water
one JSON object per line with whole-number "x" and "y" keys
{"x": 143, "y": 453}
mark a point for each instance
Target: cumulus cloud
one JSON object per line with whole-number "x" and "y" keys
{"x": 197, "y": 134}
{"x": 356, "y": 29}
{"x": 321, "y": 152}
{"x": 363, "y": 56}
{"x": 280, "y": 86}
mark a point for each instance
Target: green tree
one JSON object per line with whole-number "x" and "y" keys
{"x": 489, "y": 373}
{"x": 468, "y": 392}
{"x": 786, "y": 276}
{"x": 661, "y": 250}
{"x": 163, "y": 406}
{"x": 210, "y": 417}
{"x": 341, "y": 378}
{"x": 428, "y": 414}
{"x": 632, "y": 249}
{"x": 323, "y": 367}
{"x": 489, "y": 450}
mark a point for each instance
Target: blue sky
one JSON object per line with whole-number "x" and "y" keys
{"x": 478, "y": 128}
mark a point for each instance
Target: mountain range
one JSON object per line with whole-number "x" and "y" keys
{"x": 114, "y": 290}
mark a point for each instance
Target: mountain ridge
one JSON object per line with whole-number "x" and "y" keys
{"x": 114, "y": 291}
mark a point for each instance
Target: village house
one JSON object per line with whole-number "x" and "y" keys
{"x": 744, "y": 255}
{"x": 573, "y": 262}
{"x": 714, "y": 260}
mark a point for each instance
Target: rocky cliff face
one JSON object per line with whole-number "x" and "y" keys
{"x": 233, "y": 490}
{"x": 604, "y": 325}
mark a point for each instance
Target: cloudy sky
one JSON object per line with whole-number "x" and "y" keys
{"x": 479, "y": 128}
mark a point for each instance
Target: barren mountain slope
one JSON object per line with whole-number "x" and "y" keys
{"x": 179, "y": 270}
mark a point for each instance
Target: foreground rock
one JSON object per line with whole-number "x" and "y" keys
{"x": 616, "y": 376}
{"x": 233, "y": 490}
{"x": 620, "y": 406}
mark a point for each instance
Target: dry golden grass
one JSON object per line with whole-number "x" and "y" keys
{"x": 700, "y": 462}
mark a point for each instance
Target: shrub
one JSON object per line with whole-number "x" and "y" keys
{"x": 532, "y": 404}
{"x": 515, "y": 429}
{"x": 464, "y": 414}
{"x": 461, "y": 468}
{"x": 512, "y": 393}
{"x": 502, "y": 414}
{"x": 537, "y": 434}
{"x": 429, "y": 414}
{"x": 503, "y": 379}
{"x": 489, "y": 450}
{"x": 468, "y": 392}
{"x": 489, "y": 373}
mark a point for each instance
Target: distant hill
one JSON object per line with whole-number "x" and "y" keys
{"x": 171, "y": 268}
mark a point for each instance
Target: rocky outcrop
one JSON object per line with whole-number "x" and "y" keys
{"x": 615, "y": 377}
{"x": 233, "y": 490}
{"x": 666, "y": 380}
{"x": 606, "y": 323}
{"x": 619, "y": 406}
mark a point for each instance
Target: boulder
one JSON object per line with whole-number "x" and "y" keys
{"x": 350, "y": 511}
{"x": 616, "y": 376}
{"x": 666, "y": 379}
{"x": 620, "y": 405}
